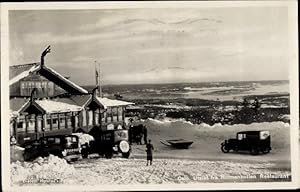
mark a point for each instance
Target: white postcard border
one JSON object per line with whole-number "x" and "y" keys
{"x": 294, "y": 97}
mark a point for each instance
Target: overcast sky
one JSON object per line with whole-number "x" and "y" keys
{"x": 155, "y": 45}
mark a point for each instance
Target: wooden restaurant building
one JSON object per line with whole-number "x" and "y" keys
{"x": 43, "y": 102}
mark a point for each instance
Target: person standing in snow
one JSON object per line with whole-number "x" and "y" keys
{"x": 149, "y": 149}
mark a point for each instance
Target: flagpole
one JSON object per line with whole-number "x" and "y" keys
{"x": 99, "y": 81}
{"x": 96, "y": 77}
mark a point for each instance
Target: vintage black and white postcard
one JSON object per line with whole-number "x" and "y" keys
{"x": 149, "y": 95}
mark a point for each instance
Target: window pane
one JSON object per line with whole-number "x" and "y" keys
{"x": 20, "y": 124}
{"x": 57, "y": 140}
{"x": 114, "y": 111}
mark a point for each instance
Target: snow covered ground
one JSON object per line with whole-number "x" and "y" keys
{"x": 207, "y": 140}
{"x": 203, "y": 162}
{"x": 172, "y": 171}
{"x": 134, "y": 171}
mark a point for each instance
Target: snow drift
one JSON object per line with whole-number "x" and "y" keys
{"x": 48, "y": 170}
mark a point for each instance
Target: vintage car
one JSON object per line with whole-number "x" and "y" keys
{"x": 109, "y": 142}
{"x": 253, "y": 141}
{"x": 63, "y": 146}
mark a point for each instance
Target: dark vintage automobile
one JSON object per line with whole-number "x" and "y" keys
{"x": 108, "y": 142}
{"x": 253, "y": 141}
{"x": 63, "y": 146}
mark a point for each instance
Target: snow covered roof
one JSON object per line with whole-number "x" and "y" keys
{"x": 80, "y": 100}
{"x": 50, "y": 106}
{"x": 61, "y": 105}
{"x": 112, "y": 102}
{"x": 19, "y": 72}
{"x": 84, "y": 100}
{"x": 16, "y": 104}
{"x": 65, "y": 79}
{"x": 47, "y": 106}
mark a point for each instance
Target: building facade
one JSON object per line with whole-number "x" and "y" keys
{"x": 44, "y": 102}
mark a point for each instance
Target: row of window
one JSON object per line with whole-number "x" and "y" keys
{"x": 114, "y": 111}
{"x": 20, "y": 124}
{"x": 84, "y": 118}
{"x": 36, "y": 84}
{"x": 43, "y": 88}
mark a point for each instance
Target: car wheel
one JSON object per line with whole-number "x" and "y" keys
{"x": 84, "y": 155}
{"x": 265, "y": 151}
{"x": 126, "y": 155}
{"x": 236, "y": 149}
{"x": 254, "y": 151}
{"x": 108, "y": 155}
{"x": 225, "y": 149}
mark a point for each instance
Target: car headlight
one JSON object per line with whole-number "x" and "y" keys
{"x": 64, "y": 152}
{"x": 115, "y": 148}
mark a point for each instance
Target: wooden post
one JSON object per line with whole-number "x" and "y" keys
{"x": 111, "y": 115}
{"x": 106, "y": 116}
{"x": 43, "y": 124}
{"x": 118, "y": 114}
{"x": 51, "y": 122}
{"x": 36, "y": 125}
{"x": 100, "y": 117}
{"x": 26, "y": 124}
{"x": 87, "y": 117}
{"x": 66, "y": 120}
{"x": 73, "y": 121}
{"x": 94, "y": 117}
{"x": 58, "y": 121}
{"x": 123, "y": 114}
{"x": 79, "y": 119}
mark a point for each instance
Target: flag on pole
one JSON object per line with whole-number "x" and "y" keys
{"x": 97, "y": 76}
